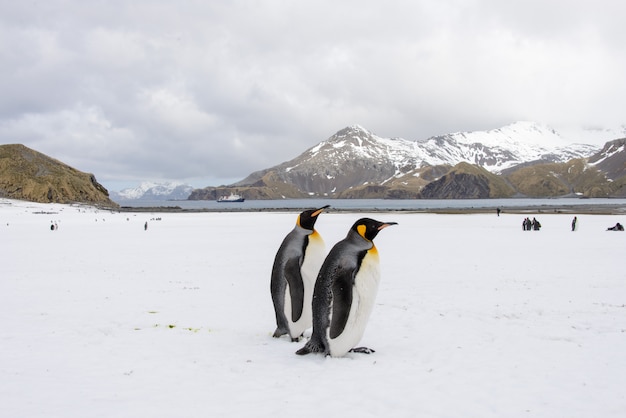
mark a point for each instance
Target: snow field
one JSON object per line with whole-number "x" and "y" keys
{"x": 474, "y": 318}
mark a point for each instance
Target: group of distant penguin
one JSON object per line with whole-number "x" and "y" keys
{"x": 334, "y": 294}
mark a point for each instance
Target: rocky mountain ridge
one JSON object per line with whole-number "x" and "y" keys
{"x": 354, "y": 163}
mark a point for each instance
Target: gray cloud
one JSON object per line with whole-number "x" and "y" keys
{"x": 207, "y": 92}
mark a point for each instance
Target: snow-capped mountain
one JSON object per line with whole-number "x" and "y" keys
{"x": 155, "y": 191}
{"x": 502, "y": 148}
{"x": 355, "y": 157}
{"x": 515, "y": 134}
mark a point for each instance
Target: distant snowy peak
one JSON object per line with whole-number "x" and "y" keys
{"x": 155, "y": 191}
{"x": 505, "y": 147}
{"x": 591, "y": 135}
{"x": 356, "y": 137}
{"x": 518, "y": 133}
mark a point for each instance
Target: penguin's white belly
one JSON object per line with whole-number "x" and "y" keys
{"x": 363, "y": 297}
{"x": 313, "y": 259}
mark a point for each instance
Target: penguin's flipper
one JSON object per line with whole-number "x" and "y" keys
{"x": 278, "y": 287}
{"x": 362, "y": 350}
{"x": 342, "y": 301}
{"x": 296, "y": 287}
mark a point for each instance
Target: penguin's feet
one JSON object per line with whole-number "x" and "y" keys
{"x": 310, "y": 347}
{"x": 303, "y": 351}
{"x": 279, "y": 333}
{"x": 362, "y": 350}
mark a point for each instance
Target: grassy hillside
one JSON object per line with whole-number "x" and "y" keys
{"x": 560, "y": 179}
{"x": 30, "y": 175}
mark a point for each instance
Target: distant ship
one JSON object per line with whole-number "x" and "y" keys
{"x": 230, "y": 199}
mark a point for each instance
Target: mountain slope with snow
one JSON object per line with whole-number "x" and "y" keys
{"x": 611, "y": 159}
{"x": 154, "y": 191}
{"x": 502, "y": 148}
{"x": 356, "y": 158}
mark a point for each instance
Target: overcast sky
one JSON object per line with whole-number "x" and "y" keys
{"x": 208, "y": 91}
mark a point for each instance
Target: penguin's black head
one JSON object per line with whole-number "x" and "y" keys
{"x": 307, "y": 218}
{"x": 369, "y": 228}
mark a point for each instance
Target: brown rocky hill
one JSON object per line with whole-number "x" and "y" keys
{"x": 26, "y": 174}
{"x": 601, "y": 175}
{"x": 467, "y": 181}
{"x": 558, "y": 179}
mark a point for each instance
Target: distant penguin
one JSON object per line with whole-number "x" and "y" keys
{"x": 345, "y": 290}
{"x": 296, "y": 265}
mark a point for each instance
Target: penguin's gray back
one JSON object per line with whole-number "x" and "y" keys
{"x": 293, "y": 275}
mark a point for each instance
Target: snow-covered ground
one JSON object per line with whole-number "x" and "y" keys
{"x": 474, "y": 318}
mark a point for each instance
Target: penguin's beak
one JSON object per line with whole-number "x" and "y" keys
{"x": 320, "y": 210}
{"x": 386, "y": 224}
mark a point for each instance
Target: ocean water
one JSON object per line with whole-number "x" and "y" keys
{"x": 374, "y": 204}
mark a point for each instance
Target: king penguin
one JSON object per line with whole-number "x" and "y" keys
{"x": 295, "y": 268}
{"x": 345, "y": 290}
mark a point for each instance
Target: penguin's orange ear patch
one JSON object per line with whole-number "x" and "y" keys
{"x": 361, "y": 229}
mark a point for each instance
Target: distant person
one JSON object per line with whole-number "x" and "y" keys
{"x": 498, "y": 211}
{"x": 574, "y": 223}
{"x": 527, "y": 225}
{"x": 536, "y": 225}
{"x": 145, "y": 226}
{"x": 618, "y": 227}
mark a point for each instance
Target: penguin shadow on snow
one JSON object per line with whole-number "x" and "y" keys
{"x": 335, "y": 295}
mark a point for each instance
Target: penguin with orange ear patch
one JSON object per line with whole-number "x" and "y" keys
{"x": 345, "y": 291}
{"x": 295, "y": 268}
